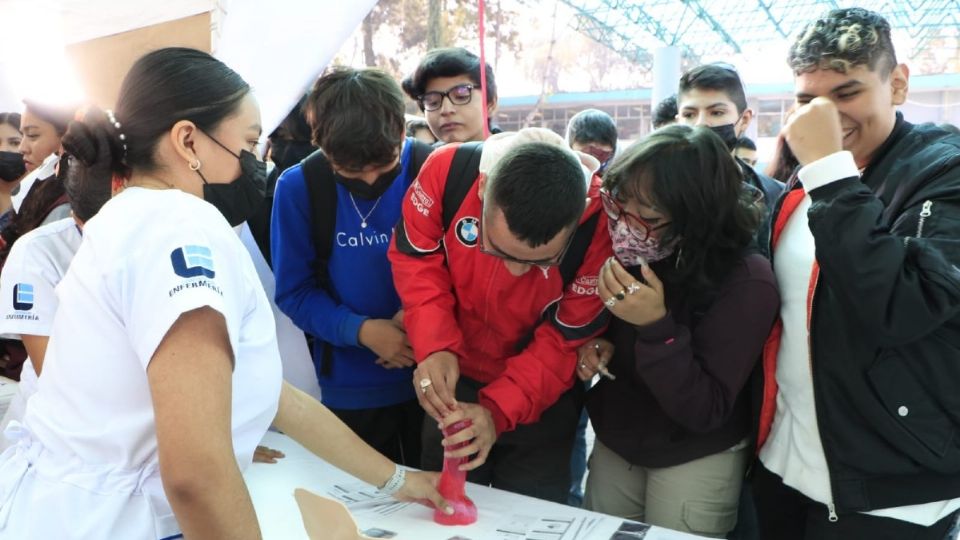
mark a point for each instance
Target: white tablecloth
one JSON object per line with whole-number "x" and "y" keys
{"x": 272, "y": 485}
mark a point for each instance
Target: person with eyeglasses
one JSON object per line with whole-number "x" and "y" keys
{"x": 692, "y": 305}
{"x": 493, "y": 321}
{"x": 712, "y": 95}
{"x": 446, "y": 87}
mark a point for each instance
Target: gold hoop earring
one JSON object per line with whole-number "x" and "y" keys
{"x": 195, "y": 166}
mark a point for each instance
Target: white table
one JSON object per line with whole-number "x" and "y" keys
{"x": 272, "y": 485}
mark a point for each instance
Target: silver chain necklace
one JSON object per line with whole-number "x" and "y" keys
{"x": 364, "y": 218}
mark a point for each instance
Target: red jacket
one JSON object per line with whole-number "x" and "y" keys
{"x": 457, "y": 299}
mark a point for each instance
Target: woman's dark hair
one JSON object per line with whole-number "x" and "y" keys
{"x": 44, "y": 196}
{"x": 11, "y": 119}
{"x": 162, "y": 88}
{"x": 690, "y": 175}
{"x": 294, "y": 127}
{"x": 169, "y": 85}
{"x": 450, "y": 62}
{"x": 784, "y": 164}
{"x": 47, "y": 193}
{"x": 88, "y": 163}
{"x": 291, "y": 142}
{"x": 59, "y": 116}
{"x": 592, "y": 126}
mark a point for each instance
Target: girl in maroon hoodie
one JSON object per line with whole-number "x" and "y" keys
{"x": 692, "y": 304}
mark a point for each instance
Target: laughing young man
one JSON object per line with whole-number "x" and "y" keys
{"x": 857, "y": 434}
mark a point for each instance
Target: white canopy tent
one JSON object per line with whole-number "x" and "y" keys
{"x": 75, "y": 51}
{"x": 277, "y": 46}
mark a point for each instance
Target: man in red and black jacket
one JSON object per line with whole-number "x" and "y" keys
{"x": 861, "y": 409}
{"x": 493, "y": 324}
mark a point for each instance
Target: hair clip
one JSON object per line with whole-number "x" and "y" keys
{"x": 120, "y": 134}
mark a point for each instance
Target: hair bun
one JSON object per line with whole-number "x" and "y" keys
{"x": 80, "y": 142}
{"x": 95, "y": 142}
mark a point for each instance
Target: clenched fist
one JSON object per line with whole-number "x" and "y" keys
{"x": 814, "y": 132}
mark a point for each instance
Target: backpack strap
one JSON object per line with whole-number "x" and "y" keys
{"x": 463, "y": 173}
{"x": 322, "y": 190}
{"x": 418, "y": 154}
{"x": 460, "y": 178}
{"x": 577, "y": 252}
{"x": 571, "y": 262}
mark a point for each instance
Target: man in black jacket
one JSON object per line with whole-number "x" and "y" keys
{"x": 712, "y": 95}
{"x": 857, "y": 434}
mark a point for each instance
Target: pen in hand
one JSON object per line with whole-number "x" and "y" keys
{"x": 602, "y": 368}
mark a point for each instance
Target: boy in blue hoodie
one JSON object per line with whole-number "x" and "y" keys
{"x": 336, "y": 285}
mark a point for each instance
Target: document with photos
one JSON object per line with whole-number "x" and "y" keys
{"x": 525, "y": 527}
{"x": 356, "y": 495}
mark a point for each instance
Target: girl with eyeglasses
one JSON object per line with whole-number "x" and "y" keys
{"x": 692, "y": 305}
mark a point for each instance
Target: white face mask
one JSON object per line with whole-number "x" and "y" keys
{"x": 630, "y": 250}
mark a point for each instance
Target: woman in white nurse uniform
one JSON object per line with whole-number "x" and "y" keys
{"x": 162, "y": 372}
{"x": 36, "y": 264}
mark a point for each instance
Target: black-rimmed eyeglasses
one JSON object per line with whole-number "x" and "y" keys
{"x": 460, "y": 94}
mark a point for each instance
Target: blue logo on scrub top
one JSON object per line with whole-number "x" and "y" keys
{"x": 192, "y": 261}
{"x": 23, "y": 297}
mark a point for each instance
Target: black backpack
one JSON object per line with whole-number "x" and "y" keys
{"x": 322, "y": 190}
{"x": 463, "y": 172}
{"x": 460, "y": 178}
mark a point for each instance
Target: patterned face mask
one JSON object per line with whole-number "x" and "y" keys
{"x": 630, "y": 250}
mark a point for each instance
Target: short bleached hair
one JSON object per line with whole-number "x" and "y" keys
{"x": 843, "y": 39}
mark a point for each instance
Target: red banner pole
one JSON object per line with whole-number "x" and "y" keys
{"x": 483, "y": 68}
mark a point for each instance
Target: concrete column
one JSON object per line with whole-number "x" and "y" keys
{"x": 666, "y": 73}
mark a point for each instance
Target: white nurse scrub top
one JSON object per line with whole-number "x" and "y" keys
{"x": 36, "y": 264}
{"x": 85, "y": 462}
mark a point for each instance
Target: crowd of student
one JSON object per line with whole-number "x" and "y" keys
{"x": 760, "y": 355}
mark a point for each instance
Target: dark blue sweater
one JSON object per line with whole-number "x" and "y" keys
{"x": 361, "y": 278}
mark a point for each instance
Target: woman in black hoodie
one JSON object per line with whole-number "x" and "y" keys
{"x": 692, "y": 306}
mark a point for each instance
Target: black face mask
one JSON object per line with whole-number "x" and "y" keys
{"x": 367, "y": 191}
{"x": 241, "y": 199}
{"x": 286, "y": 153}
{"x": 728, "y": 133}
{"x": 11, "y": 166}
